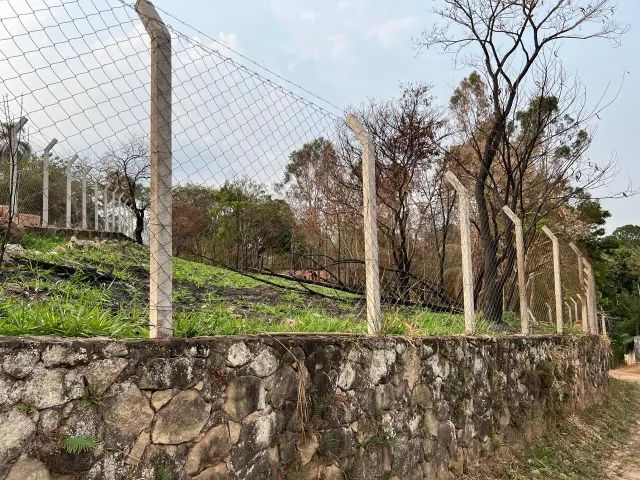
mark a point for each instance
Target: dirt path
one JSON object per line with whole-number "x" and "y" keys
{"x": 625, "y": 465}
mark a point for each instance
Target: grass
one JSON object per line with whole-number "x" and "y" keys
{"x": 580, "y": 446}
{"x": 41, "y": 243}
{"x": 208, "y": 300}
{"x": 69, "y": 317}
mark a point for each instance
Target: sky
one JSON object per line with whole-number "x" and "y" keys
{"x": 349, "y": 50}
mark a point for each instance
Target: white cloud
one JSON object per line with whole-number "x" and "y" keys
{"x": 394, "y": 31}
{"x": 339, "y": 44}
{"x": 337, "y": 32}
{"x": 230, "y": 40}
{"x": 308, "y": 15}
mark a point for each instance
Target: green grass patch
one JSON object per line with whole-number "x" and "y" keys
{"x": 207, "y": 276}
{"x": 41, "y": 243}
{"x": 70, "y": 317}
{"x": 208, "y": 300}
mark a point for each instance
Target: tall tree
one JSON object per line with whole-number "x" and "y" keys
{"x": 327, "y": 178}
{"x": 128, "y": 170}
{"x": 514, "y": 45}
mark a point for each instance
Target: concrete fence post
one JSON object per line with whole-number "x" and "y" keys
{"x": 14, "y": 129}
{"x": 603, "y": 317}
{"x": 105, "y": 207}
{"x": 464, "y": 210}
{"x": 569, "y": 313}
{"x": 371, "y": 251}
{"x": 583, "y": 299}
{"x": 522, "y": 280}
{"x": 576, "y": 315}
{"x": 121, "y": 214}
{"x": 583, "y": 308}
{"x": 67, "y": 221}
{"x": 592, "y": 311}
{"x": 45, "y": 182}
{"x": 96, "y": 194}
{"x": 592, "y": 285}
{"x": 85, "y": 172}
{"x": 161, "y": 255}
{"x": 557, "y": 279}
{"x": 112, "y": 212}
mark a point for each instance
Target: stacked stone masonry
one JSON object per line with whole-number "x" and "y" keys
{"x": 283, "y": 407}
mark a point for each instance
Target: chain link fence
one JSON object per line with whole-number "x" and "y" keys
{"x": 181, "y": 144}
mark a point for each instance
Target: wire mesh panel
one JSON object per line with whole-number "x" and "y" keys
{"x": 572, "y": 290}
{"x": 540, "y": 284}
{"x": 263, "y": 207}
{"x": 266, "y": 183}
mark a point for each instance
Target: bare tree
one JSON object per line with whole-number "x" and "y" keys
{"x": 12, "y": 149}
{"x": 128, "y": 170}
{"x": 520, "y": 94}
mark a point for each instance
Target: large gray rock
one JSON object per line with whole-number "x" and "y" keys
{"x": 260, "y": 467}
{"x": 16, "y": 431}
{"x": 182, "y": 419}
{"x": 126, "y": 410}
{"x": 160, "y": 398}
{"x": 210, "y": 450}
{"x": 238, "y": 355}
{"x": 137, "y": 451}
{"x": 219, "y": 472}
{"x": 10, "y": 391}
{"x": 45, "y": 388}
{"x": 164, "y": 373}
{"x": 20, "y": 364}
{"x": 265, "y": 363}
{"x": 257, "y": 435}
{"x": 285, "y": 387}
{"x": 243, "y": 397}
{"x": 62, "y": 355}
{"x": 102, "y": 373}
{"x": 381, "y": 362}
{"x": 29, "y": 469}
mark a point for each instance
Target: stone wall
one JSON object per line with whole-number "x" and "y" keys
{"x": 282, "y": 407}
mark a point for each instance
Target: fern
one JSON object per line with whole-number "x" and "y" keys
{"x": 75, "y": 444}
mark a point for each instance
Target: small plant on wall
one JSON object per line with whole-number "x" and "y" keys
{"x": 75, "y": 444}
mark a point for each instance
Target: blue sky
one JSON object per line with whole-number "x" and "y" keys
{"x": 348, "y": 50}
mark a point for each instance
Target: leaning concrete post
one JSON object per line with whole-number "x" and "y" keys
{"x": 549, "y": 312}
{"x": 13, "y": 165}
{"x": 465, "y": 247}
{"x": 522, "y": 280}
{"x": 45, "y": 182}
{"x": 69, "y": 180}
{"x": 372, "y": 266}
{"x": 556, "y": 277}
{"x": 96, "y": 193}
{"x": 85, "y": 171}
{"x": 160, "y": 295}
{"x": 583, "y": 311}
